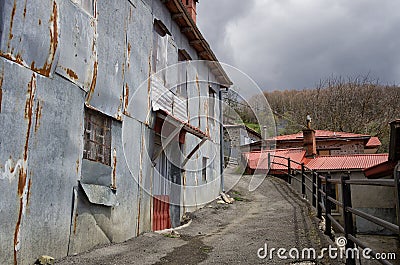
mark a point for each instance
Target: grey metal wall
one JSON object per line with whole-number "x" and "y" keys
{"x": 55, "y": 58}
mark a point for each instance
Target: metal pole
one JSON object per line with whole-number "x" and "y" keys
{"x": 269, "y": 161}
{"x": 303, "y": 181}
{"x": 397, "y": 183}
{"x": 314, "y": 189}
{"x": 328, "y": 209}
{"x": 348, "y": 220}
{"x": 319, "y": 197}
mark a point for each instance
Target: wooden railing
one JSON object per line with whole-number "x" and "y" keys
{"x": 325, "y": 200}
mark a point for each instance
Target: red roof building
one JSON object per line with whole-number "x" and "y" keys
{"x": 332, "y": 143}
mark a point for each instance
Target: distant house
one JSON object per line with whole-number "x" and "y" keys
{"x": 236, "y": 136}
{"x": 353, "y": 159}
{"x": 333, "y": 143}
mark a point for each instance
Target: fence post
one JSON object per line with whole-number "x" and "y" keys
{"x": 397, "y": 183}
{"x": 289, "y": 171}
{"x": 348, "y": 219}
{"x": 319, "y": 197}
{"x": 328, "y": 209}
{"x": 269, "y": 161}
{"x": 314, "y": 189}
{"x": 303, "y": 181}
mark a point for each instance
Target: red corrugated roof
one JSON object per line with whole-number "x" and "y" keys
{"x": 259, "y": 159}
{"x": 373, "y": 142}
{"x": 346, "y": 162}
{"x": 320, "y": 134}
{"x": 381, "y": 170}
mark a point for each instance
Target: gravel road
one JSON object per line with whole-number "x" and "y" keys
{"x": 225, "y": 234}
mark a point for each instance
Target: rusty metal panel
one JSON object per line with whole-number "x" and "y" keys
{"x": 59, "y": 143}
{"x": 139, "y": 43}
{"x": 106, "y": 93}
{"x": 30, "y": 34}
{"x": 124, "y": 217}
{"x": 77, "y": 45}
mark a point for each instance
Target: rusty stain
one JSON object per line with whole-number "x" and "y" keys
{"x": 77, "y": 166}
{"x": 29, "y": 110}
{"x": 10, "y": 35}
{"x": 29, "y": 191}
{"x": 40, "y": 22}
{"x": 45, "y": 70}
{"x": 16, "y": 232}
{"x": 114, "y": 171}
{"x": 75, "y": 222}
{"x": 25, "y": 8}
{"x": 71, "y": 74}
{"x": 93, "y": 84}
{"x": 38, "y": 115}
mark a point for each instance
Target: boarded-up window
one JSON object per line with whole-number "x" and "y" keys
{"x": 97, "y": 137}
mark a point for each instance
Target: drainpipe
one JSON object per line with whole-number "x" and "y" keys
{"x": 221, "y": 131}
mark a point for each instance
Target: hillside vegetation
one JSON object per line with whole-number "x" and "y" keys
{"x": 356, "y": 105}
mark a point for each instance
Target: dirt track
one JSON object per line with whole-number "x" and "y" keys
{"x": 224, "y": 234}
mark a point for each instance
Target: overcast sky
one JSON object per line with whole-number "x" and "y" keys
{"x": 292, "y": 44}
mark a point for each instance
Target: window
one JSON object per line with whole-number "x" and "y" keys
{"x": 181, "y": 89}
{"x": 211, "y": 102}
{"x": 97, "y": 137}
{"x": 204, "y": 169}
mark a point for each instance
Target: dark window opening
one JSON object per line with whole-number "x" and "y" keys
{"x": 97, "y": 137}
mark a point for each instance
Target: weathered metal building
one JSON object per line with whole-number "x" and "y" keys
{"x": 91, "y": 142}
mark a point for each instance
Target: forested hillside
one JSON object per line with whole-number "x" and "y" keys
{"x": 356, "y": 105}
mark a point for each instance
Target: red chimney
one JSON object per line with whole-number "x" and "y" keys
{"x": 310, "y": 144}
{"x": 191, "y": 7}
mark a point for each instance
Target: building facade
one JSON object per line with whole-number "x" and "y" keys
{"x": 98, "y": 143}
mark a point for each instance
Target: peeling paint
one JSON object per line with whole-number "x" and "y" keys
{"x": 25, "y": 8}
{"x": 72, "y": 74}
{"x": 126, "y": 99}
{"x": 93, "y": 83}
{"x": 29, "y": 190}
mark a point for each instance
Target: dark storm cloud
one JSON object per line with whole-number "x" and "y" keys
{"x": 293, "y": 44}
